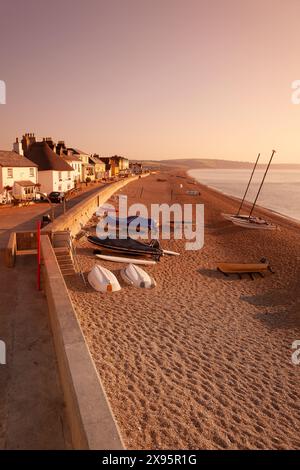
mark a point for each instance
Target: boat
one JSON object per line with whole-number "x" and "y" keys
{"x": 244, "y": 218}
{"x": 250, "y": 221}
{"x": 103, "y": 280}
{"x": 231, "y": 217}
{"x": 192, "y": 193}
{"x": 136, "y": 276}
{"x": 254, "y": 223}
{"x": 121, "y": 259}
{"x": 141, "y": 223}
{"x": 128, "y": 246}
{"x": 246, "y": 268}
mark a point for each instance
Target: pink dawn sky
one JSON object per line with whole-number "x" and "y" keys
{"x": 153, "y": 78}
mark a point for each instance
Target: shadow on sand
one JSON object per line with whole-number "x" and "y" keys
{"x": 288, "y": 301}
{"x": 215, "y": 274}
{"x": 287, "y": 318}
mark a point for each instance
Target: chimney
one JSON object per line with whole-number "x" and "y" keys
{"x": 27, "y": 140}
{"x": 17, "y": 147}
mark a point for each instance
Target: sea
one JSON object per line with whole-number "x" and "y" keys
{"x": 280, "y": 192}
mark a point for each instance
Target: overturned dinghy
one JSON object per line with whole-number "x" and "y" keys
{"x": 136, "y": 276}
{"x": 103, "y": 280}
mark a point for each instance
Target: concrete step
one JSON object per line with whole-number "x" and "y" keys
{"x": 61, "y": 251}
{"x": 65, "y": 260}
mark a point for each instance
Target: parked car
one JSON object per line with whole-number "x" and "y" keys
{"x": 56, "y": 197}
{"x": 41, "y": 197}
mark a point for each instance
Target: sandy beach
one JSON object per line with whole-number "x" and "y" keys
{"x": 201, "y": 361}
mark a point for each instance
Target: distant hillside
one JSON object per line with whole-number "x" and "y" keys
{"x": 198, "y": 163}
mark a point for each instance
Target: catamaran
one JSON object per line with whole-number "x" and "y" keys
{"x": 250, "y": 221}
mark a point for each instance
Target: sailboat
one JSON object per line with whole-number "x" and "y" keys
{"x": 238, "y": 215}
{"x": 250, "y": 221}
{"x": 255, "y": 223}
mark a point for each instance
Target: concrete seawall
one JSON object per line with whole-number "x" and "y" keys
{"x": 83, "y": 211}
{"x": 90, "y": 418}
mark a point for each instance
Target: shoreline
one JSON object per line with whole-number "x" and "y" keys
{"x": 274, "y": 216}
{"x": 259, "y": 210}
{"x": 201, "y": 361}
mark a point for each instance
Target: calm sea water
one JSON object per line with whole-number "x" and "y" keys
{"x": 281, "y": 190}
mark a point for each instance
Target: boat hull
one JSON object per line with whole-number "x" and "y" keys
{"x": 137, "y": 277}
{"x": 253, "y": 225}
{"x": 120, "y": 259}
{"x": 127, "y": 246}
{"x": 103, "y": 280}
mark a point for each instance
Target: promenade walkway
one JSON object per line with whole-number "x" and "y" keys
{"x": 32, "y": 414}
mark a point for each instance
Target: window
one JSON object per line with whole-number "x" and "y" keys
{"x": 31, "y": 172}
{"x": 59, "y": 188}
{"x": 10, "y": 172}
{"x": 59, "y": 176}
{"x": 29, "y": 190}
{"x": 69, "y": 175}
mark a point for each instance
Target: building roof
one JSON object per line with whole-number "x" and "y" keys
{"x": 41, "y": 154}
{"x": 96, "y": 160}
{"x": 71, "y": 158}
{"x": 13, "y": 159}
{"x": 77, "y": 151}
{"x": 25, "y": 183}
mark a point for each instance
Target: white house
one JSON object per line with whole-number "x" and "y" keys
{"x": 54, "y": 173}
{"x": 76, "y": 164}
{"x": 99, "y": 166}
{"x": 16, "y": 168}
{"x": 87, "y": 169}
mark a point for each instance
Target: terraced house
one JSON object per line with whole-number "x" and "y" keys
{"x": 54, "y": 173}
{"x": 17, "y": 173}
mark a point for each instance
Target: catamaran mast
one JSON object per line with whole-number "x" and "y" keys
{"x": 241, "y": 205}
{"x": 261, "y": 184}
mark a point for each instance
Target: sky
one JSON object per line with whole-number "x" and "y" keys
{"x": 153, "y": 79}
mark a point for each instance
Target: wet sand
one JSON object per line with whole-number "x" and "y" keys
{"x": 202, "y": 361}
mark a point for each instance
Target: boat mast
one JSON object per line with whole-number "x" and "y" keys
{"x": 241, "y": 205}
{"x": 261, "y": 184}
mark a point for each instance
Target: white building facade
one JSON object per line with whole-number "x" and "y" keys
{"x": 52, "y": 180}
{"x": 15, "y": 167}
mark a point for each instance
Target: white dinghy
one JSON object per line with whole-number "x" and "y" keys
{"x": 136, "y": 276}
{"x": 103, "y": 280}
